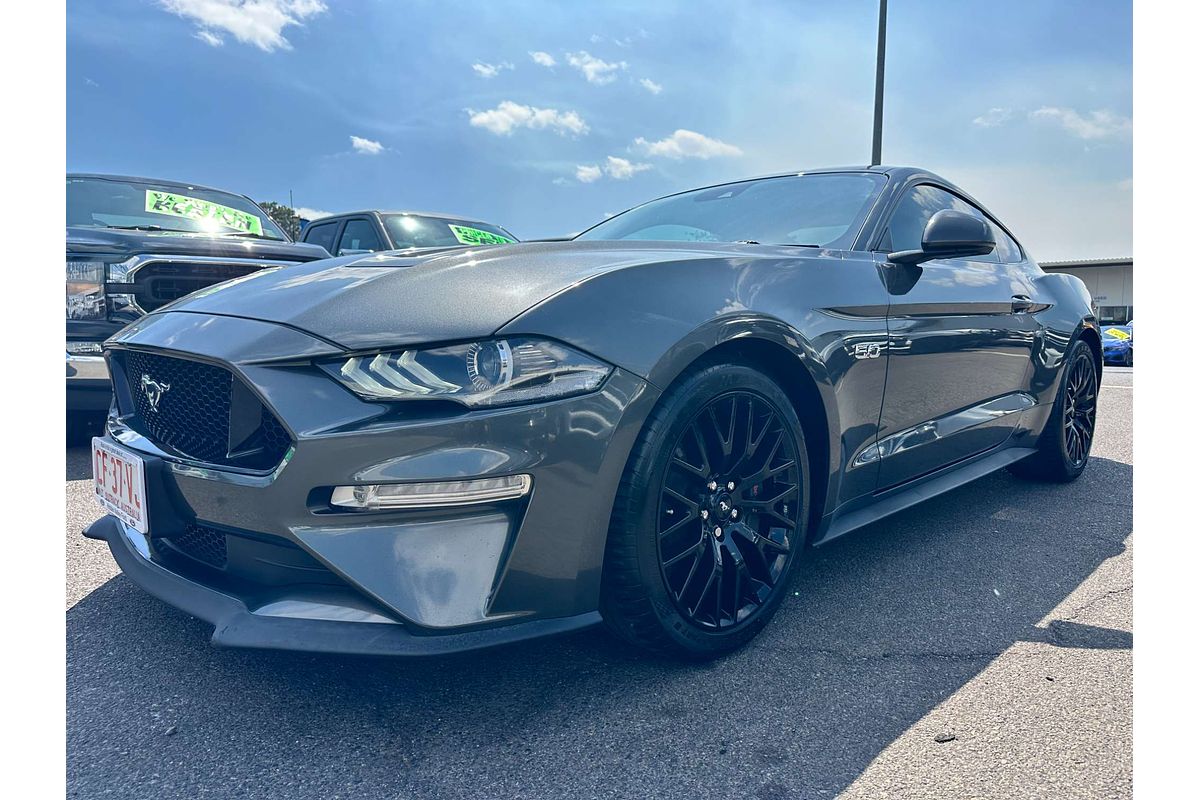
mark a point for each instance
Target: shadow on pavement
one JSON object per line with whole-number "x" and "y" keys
{"x": 79, "y": 463}
{"x": 882, "y": 626}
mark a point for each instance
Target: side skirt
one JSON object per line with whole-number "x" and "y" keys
{"x": 906, "y": 496}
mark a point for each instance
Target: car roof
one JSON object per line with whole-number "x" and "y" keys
{"x": 458, "y": 217}
{"x": 157, "y": 181}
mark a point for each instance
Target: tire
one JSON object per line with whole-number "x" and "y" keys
{"x": 669, "y": 496}
{"x": 1129, "y": 357}
{"x": 1062, "y": 453}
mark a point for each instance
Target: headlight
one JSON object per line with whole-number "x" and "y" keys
{"x": 85, "y": 290}
{"x": 494, "y": 372}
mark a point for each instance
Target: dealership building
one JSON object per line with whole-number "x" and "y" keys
{"x": 1110, "y": 280}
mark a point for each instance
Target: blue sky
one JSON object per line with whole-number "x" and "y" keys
{"x": 442, "y": 106}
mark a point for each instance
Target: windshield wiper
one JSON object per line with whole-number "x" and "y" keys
{"x": 252, "y": 235}
{"x": 780, "y": 244}
{"x": 143, "y": 228}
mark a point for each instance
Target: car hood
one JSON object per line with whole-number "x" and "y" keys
{"x": 109, "y": 242}
{"x": 404, "y": 298}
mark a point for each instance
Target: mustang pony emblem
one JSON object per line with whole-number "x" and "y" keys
{"x": 154, "y": 391}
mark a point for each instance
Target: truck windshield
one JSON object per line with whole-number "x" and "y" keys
{"x": 137, "y": 205}
{"x": 800, "y": 210}
{"x": 418, "y": 230}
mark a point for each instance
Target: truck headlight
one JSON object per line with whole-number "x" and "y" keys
{"x": 85, "y": 290}
{"x": 487, "y": 373}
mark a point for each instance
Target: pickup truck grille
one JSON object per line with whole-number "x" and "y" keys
{"x": 157, "y": 283}
{"x": 205, "y": 412}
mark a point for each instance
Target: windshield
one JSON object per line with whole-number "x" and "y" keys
{"x": 413, "y": 230}
{"x": 134, "y": 205}
{"x": 813, "y": 210}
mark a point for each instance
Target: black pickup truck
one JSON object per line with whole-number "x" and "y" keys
{"x": 136, "y": 244}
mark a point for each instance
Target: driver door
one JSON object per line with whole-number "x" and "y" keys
{"x": 960, "y": 348}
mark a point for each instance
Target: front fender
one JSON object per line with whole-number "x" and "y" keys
{"x": 656, "y": 319}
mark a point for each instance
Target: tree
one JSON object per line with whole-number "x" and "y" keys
{"x": 283, "y": 216}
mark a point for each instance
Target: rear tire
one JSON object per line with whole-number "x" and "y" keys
{"x": 1065, "y": 445}
{"x": 694, "y": 568}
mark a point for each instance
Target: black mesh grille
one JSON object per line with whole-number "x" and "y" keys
{"x": 193, "y": 411}
{"x": 202, "y": 543}
{"x": 161, "y": 282}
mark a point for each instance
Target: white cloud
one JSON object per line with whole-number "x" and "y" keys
{"x": 256, "y": 22}
{"x": 490, "y": 70}
{"x": 596, "y": 38}
{"x": 586, "y": 173}
{"x": 91, "y": 82}
{"x": 594, "y": 69}
{"x": 1125, "y": 185}
{"x": 542, "y": 58}
{"x": 623, "y": 169}
{"x": 367, "y": 146}
{"x": 993, "y": 117}
{"x": 1093, "y": 125}
{"x": 303, "y": 212}
{"x": 687, "y": 144}
{"x": 209, "y": 38}
{"x": 620, "y": 169}
{"x": 508, "y": 116}
{"x": 650, "y": 86}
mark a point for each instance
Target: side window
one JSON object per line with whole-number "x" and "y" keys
{"x": 359, "y": 236}
{"x": 1006, "y": 248}
{"x": 321, "y": 234}
{"x": 919, "y": 204}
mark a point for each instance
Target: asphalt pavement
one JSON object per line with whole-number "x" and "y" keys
{"x": 979, "y": 645}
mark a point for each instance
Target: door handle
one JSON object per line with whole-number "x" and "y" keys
{"x": 1021, "y": 303}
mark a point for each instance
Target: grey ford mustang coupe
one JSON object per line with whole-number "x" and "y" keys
{"x": 647, "y": 425}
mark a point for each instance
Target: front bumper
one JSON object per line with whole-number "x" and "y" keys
{"x": 88, "y": 384}
{"x": 304, "y": 575}
{"x": 240, "y": 621}
{"x": 1115, "y": 356}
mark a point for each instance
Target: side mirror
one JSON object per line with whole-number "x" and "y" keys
{"x": 950, "y": 234}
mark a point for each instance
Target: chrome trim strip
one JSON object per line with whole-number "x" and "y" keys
{"x": 194, "y": 469}
{"x": 135, "y": 263}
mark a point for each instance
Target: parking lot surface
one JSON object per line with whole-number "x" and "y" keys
{"x": 979, "y": 645}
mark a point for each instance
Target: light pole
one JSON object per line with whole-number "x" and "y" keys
{"x": 877, "y": 137}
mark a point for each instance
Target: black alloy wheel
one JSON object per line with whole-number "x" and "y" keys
{"x": 711, "y": 516}
{"x": 728, "y": 510}
{"x": 1079, "y": 410}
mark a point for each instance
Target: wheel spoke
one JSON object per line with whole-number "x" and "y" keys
{"x": 691, "y": 469}
{"x": 670, "y": 562}
{"x": 691, "y": 573}
{"x": 691, "y": 505}
{"x": 707, "y": 585}
{"x": 691, "y": 517}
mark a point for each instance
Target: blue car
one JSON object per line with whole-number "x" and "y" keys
{"x": 1118, "y": 344}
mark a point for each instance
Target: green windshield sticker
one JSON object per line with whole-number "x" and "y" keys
{"x": 475, "y": 236}
{"x": 178, "y": 205}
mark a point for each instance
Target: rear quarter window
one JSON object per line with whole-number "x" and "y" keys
{"x": 321, "y": 234}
